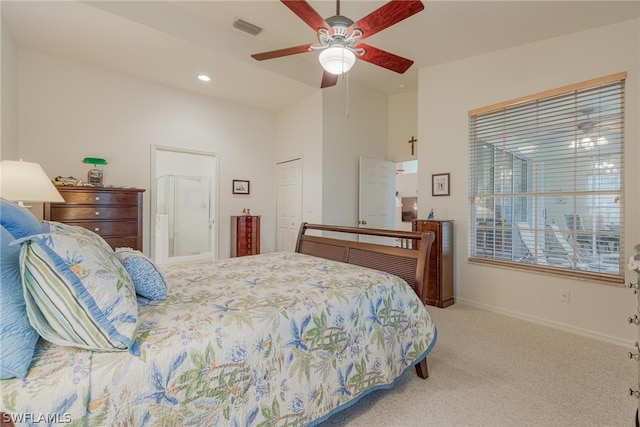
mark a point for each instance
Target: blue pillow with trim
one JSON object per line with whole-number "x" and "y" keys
{"x": 17, "y": 337}
{"x": 18, "y": 220}
{"x": 147, "y": 278}
{"x": 77, "y": 293}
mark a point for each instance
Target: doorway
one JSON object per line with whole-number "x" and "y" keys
{"x": 184, "y": 204}
{"x": 376, "y": 198}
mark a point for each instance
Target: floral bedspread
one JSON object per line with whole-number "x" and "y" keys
{"x": 272, "y": 339}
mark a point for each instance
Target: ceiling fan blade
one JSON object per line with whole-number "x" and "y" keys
{"x": 282, "y": 52}
{"x": 328, "y": 79}
{"x": 307, "y": 14}
{"x": 385, "y": 16}
{"x": 384, "y": 59}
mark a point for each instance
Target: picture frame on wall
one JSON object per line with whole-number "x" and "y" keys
{"x": 440, "y": 184}
{"x": 241, "y": 186}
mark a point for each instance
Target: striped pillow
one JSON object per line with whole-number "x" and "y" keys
{"x": 77, "y": 293}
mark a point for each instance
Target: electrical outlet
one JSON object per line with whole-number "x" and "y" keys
{"x": 565, "y": 295}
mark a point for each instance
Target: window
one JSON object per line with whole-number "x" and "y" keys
{"x": 546, "y": 181}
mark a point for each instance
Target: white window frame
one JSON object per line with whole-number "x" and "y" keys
{"x": 508, "y": 224}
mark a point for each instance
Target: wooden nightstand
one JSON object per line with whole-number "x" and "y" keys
{"x": 440, "y": 282}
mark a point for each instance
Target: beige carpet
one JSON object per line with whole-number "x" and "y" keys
{"x": 492, "y": 370}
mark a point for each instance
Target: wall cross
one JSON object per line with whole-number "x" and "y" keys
{"x": 412, "y": 141}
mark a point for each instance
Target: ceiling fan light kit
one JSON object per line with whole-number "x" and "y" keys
{"x": 340, "y": 38}
{"x": 337, "y": 59}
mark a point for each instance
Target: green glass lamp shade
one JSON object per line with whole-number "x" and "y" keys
{"x": 94, "y": 161}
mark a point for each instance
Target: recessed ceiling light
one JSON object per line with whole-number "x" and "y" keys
{"x": 204, "y": 78}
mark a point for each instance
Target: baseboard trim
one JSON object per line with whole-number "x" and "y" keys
{"x": 545, "y": 322}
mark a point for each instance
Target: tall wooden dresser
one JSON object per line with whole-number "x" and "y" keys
{"x": 440, "y": 282}
{"x": 245, "y": 235}
{"x": 111, "y": 212}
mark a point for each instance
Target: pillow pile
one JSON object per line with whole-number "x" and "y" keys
{"x": 66, "y": 284}
{"x": 17, "y": 337}
{"x": 147, "y": 278}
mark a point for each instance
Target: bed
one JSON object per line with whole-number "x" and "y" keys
{"x": 285, "y": 338}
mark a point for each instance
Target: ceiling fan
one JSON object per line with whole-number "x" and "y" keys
{"x": 340, "y": 38}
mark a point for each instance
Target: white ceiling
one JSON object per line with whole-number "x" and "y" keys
{"x": 170, "y": 42}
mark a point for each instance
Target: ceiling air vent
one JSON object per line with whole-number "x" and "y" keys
{"x": 246, "y": 27}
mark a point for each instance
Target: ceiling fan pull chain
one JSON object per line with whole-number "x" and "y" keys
{"x": 347, "y": 112}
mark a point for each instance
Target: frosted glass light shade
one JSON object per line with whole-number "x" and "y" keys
{"x": 26, "y": 182}
{"x": 337, "y": 60}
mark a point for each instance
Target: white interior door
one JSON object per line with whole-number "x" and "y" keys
{"x": 289, "y": 204}
{"x": 377, "y": 205}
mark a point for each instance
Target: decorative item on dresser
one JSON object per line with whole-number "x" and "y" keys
{"x": 114, "y": 213}
{"x": 245, "y": 235}
{"x": 440, "y": 283}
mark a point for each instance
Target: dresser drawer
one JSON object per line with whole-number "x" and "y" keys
{"x": 123, "y": 242}
{"x": 100, "y": 198}
{"x": 66, "y": 213}
{"x": 109, "y": 228}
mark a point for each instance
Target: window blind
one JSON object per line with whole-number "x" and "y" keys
{"x": 546, "y": 188}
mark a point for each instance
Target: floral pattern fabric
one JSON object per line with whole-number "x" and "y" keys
{"x": 272, "y": 339}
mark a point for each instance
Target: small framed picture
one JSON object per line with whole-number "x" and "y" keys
{"x": 240, "y": 186}
{"x": 440, "y": 184}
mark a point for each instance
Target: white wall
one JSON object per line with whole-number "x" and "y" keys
{"x": 8, "y": 88}
{"x": 299, "y": 135}
{"x": 403, "y": 124}
{"x": 68, "y": 111}
{"x": 448, "y": 91}
{"x": 345, "y": 139}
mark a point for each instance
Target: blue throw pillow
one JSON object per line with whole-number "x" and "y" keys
{"x": 18, "y": 220}
{"x": 145, "y": 275}
{"x": 17, "y": 337}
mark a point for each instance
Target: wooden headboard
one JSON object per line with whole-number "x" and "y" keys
{"x": 410, "y": 264}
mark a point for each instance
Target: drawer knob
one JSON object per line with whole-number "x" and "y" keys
{"x": 97, "y": 213}
{"x": 97, "y": 229}
{"x": 97, "y": 197}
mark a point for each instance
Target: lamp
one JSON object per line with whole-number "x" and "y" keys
{"x": 26, "y": 181}
{"x": 94, "y": 176}
{"x": 337, "y": 59}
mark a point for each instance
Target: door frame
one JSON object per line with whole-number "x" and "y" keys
{"x": 215, "y": 197}
{"x": 300, "y": 207}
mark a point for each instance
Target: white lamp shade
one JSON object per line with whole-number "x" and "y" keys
{"x": 26, "y": 182}
{"x": 337, "y": 60}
